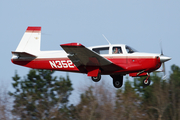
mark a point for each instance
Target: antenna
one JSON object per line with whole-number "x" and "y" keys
{"x": 106, "y": 39}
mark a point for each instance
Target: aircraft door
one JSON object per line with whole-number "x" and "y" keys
{"x": 133, "y": 61}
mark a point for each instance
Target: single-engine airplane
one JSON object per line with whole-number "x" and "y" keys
{"x": 115, "y": 60}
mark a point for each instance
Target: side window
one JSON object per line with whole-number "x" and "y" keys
{"x": 104, "y": 50}
{"x": 130, "y": 50}
{"x": 117, "y": 50}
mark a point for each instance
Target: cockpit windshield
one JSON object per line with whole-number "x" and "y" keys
{"x": 130, "y": 49}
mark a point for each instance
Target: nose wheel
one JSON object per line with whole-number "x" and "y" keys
{"x": 146, "y": 81}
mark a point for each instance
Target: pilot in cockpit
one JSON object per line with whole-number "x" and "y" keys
{"x": 117, "y": 50}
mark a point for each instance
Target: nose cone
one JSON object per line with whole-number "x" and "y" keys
{"x": 164, "y": 58}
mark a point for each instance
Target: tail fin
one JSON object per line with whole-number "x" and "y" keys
{"x": 30, "y": 42}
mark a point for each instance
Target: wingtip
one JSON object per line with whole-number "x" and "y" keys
{"x": 72, "y": 44}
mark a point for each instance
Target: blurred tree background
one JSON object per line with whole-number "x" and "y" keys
{"x": 40, "y": 96}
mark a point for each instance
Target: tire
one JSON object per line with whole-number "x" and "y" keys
{"x": 146, "y": 83}
{"x": 96, "y": 79}
{"x": 117, "y": 80}
{"x": 117, "y": 83}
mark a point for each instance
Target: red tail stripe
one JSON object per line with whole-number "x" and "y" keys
{"x": 30, "y": 28}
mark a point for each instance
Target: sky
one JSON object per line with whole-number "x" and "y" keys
{"x": 142, "y": 24}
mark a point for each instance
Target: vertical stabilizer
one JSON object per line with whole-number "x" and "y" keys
{"x": 30, "y": 42}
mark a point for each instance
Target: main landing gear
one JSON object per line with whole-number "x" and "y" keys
{"x": 96, "y": 79}
{"x": 117, "y": 80}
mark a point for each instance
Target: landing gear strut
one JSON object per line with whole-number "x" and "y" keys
{"x": 117, "y": 80}
{"x": 96, "y": 79}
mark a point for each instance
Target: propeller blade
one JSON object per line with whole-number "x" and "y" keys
{"x": 161, "y": 49}
{"x": 164, "y": 71}
{"x": 163, "y": 65}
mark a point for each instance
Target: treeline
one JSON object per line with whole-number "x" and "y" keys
{"x": 40, "y": 96}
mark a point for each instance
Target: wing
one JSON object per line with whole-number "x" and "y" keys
{"x": 87, "y": 60}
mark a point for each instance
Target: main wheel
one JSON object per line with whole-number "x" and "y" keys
{"x": 96, "y": 79}
{"x": 117, "y": 80}
{"x": 146, "y": 82}
{"x": 117, "y": 83}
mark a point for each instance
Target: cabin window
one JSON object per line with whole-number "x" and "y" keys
{"x": 104, "y": 50}
{"x": 117, "y": 50}
{"x": 130, "y": 49}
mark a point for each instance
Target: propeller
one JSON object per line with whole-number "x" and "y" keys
{"x": 163, "y": 59}
{"x": 164, "y": 71}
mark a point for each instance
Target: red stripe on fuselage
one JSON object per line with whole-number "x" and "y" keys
{"x": 61, "y": 64}
{"x": 130, "y": 64}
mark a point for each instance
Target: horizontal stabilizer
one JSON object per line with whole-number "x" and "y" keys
{"x": 23, "y": 54}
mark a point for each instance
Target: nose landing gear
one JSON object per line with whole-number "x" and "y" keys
{"x": 147, "y": 81}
